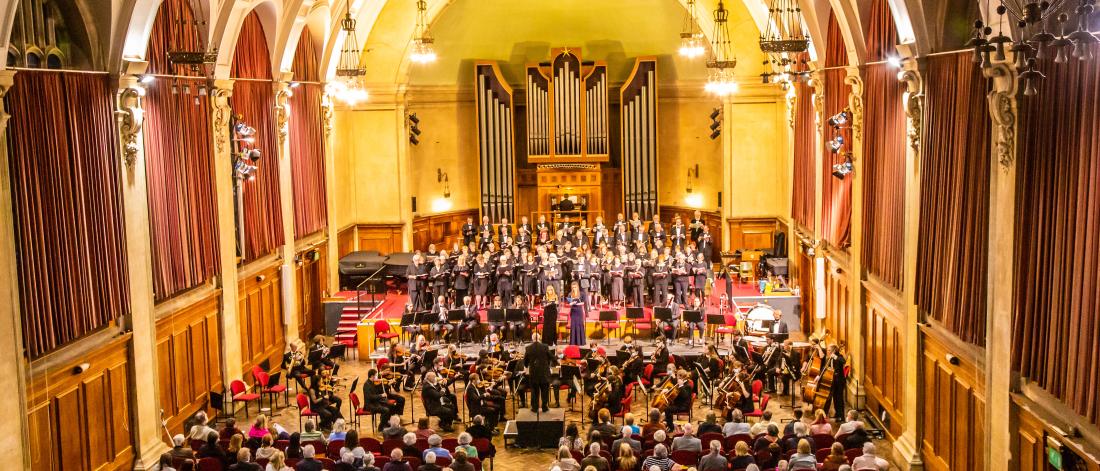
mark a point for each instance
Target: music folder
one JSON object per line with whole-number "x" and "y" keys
{"x": 425, "y": 317}
{"x": 408, "y": 319}
{"x": 609, "y": 316}
{"x": 515, "y": 315}
{"x": 635, "y": 313}
{"x": 716, "y": 319}
{"x": 495, "y": 315}
{"x": 456, "y": 315}
{"x": 693, "y": 316}
{"x": 662, "y": 313}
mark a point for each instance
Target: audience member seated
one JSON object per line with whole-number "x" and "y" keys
{"x": 653, "y": 424}
{"x": 178, "y": 451}
{"x": 339, "y": 431}
{"x": 713, "y": 460}
{"x": 741, "y": 457}
{"x": 710, "y": 424}
{"x": 211, "y": 449}
{"x": 464, "y": 440}
{"x": 461, "y": 463}
{"x": 351, "y": 445}
{"x": 788, "y": 429}
{"x": 479, "y": 430}
{"x": 856, "y": 439}
{"x": 423, "y": 431}
{"x": 572, "y": 439}
{"x": 294, "y": 447}
{"x": 409, "y": 447}
{"x": 659, "y": 459}
{"x": 800, "y": 433}
{"x": 752, "y": 467}
{"x": 627, "y": 459}
{"x": 594, "y": 459}
{"x": 851, "y": 423}
{"x": 628, "y": 420}
{"x": 565, "y": 461}
{"x": 309, "y": 462}
{"x": 869, "y": 460}
{"x": 200, "y": 430}
{"x": 244, "y": 461}
{"x": 346, "y": 462}
{"x": 603, "y": 425}
{"x": 311, "y": 434}
{"x": 278, "y": 463}
{"x": 774, "y": 454}
{"x": 259, "y": 428}
{"x": 165, "y": 463}
{"x": 236, "y": 442}
{"x": 429, "y": 463}
{"x": 395, "y": 431}
{"x": 626, "y": 439}
{"x": 435, "y": 445}
{"x": 836, "y": 458}
{"x": 267, "y": 448}
{"x": 771, "y": 437}
{"x": 736, "y": 425}
{"x": 804, "y": 458}
{"x": 821, "y": 424}
{"x": 397, "y": 461}
{"x": 687, "y": 441}
{"x": 230, "y": 428}
{"x": 762, "y": 426}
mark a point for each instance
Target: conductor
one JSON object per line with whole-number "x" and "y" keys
{"x": 537, "y": 357}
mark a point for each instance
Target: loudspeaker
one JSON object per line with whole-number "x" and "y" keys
{"x": 719, "y": 199}
{"x": 414, "y": 204}
{"x": 539, "y": 430}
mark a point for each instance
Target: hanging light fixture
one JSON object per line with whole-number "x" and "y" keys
{"x": 200, "y": 61}
{"x": 720, "y": 80}
{"x": 783, "y": 40}
{"x": 1031, "y": 19}
{"x": 348, "y": 86}
{"x": 423, "y": 45}
{"x": 691, "y": 38}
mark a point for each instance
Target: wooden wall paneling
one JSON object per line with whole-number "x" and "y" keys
{"x": 752, "y": 233}
{"x": 384, "y": 238}
{"x": 804, "y": 278}
{"x": 954, "y": 403}
{"x": 309, "y": 272}
{"x": 345, "y": 240}
{"x": 611, "y": 194}
{"x": 1029, "y": 442}
{"x": 443, "y": 229}
{"x": 837, "y": 296}
{"x": 884, "y": 358}
{"x": 527, "y": 192}
{"x": 82, "y": 421}
{"x": 261, "y": 319}
{"x": 188, "y": 346}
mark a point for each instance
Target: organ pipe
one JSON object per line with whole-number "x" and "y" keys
{"x": 638, "y": 101}
{"x": 567, "y": 109}
{"x": 495, "y": 142}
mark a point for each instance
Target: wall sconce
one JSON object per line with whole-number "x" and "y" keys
{"x": 693, "y": 172}
{"x": 441, "y": 177}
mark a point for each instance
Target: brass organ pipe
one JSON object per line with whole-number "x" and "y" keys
{"x": 652, "y": 113}
{"x": 483, "y": 134}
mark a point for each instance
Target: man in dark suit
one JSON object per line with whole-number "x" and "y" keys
{"x": 537, "y": 357}
{"x": 438, "y": 402}
{"x": 376, "y": 399}
{"x": 244, "y": 461}
{"x": 778, "y": 330}
{"x": 469, "y": 232}
{"x": 485, "y": 231}
{"x": 839, "y": 388}
{"x": 309, "y": 462}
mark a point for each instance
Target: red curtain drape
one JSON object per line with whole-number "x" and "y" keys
{"x": 178, "y": 160}
{"x": 253, "y": 101}
{"x": 836, "y": 211}
{"x": 884, "y": 144}
{"x": 307, "y": 147}
{"x": 882, "y": 34}
{"x": 954, "y": 201}
{"x": 805, "y": 141}
{"x": 1056, "y": 330}
{"x": 65, "y": 164}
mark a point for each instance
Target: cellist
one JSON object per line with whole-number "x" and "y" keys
{"x": 682, "y": 402}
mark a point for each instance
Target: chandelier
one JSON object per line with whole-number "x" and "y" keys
{"x": 348, "y": 86}
{"x": 423, "y": 45}
{"x": 720, "y": 80}
{"x": 783, "y": 40}
{"x": 199, "y": 61}
{"x": 691, "y": 38}
{"x": 1032, "y": 19}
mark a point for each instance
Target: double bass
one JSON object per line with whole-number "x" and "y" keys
{"x": 816, "y": 391}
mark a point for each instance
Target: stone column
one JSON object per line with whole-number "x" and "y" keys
{"x": 286, "y": 197}
{"x": 1002, "y": 250}
{"x": 227, "y": 228}
{"x": 148, "y": 440}
{"x": 332, "y": 230}
{"x": 855, "y": 270}
{"x": 14, "y": 436}
{"x": 907, "y": 446}
{"x": 404, "y": 168}
{"x": 817, "y": 83}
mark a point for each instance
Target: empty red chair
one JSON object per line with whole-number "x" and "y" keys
{"x": 382, "y": 331}
{"x": 304, "y": 409}
{"x": 685, "y": 458}
{"x": 763, "y": 406}
{"x": 241, "y": 394}
{"x": 268, "y": 387}
{"x": 210, "y": 464}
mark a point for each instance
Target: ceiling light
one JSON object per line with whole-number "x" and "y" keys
{"x": 721, "y": 81}
{"x": 423, "y": 45}
{"x": 348, "y": 86}
{"x": 691, "y": 39}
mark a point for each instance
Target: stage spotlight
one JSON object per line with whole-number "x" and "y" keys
{"x": 714, "y": 114}
{"x": 414, "y": 119}
{"x": 714, "y": 135}
{"x": 714, "y": 125}
{"x": 839, "y": 119}
{"x": 836, "y": 144}
{"x": 254, "y": 155}
{"x": 842, "y": 170}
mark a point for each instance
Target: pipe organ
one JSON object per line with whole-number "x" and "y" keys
{"x": 638, "y": 128}
{"x": 496, "y": 146}
{"x": 567, "y": 109}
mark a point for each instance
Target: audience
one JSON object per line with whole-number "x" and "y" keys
{"x": 480, "y": 430}
{"x": 339, "y": 430}
{"x": 821, "y": 424}
{"x": 741, "y": 456}
{"x": 267, "y": 448}
{"x": 165, "y": 463}
{"x": 603, "y": 425}
{"x": 627, "y": 440}
{"x": 211, "y": 449}
{"x": 259, "y": 428}
{"x": 710, "y": 424}
{"x": 236, "y": 442}
{"x": 409, "y": 447}
{"x": 464, "y": 440}
{"x": 653, "y": 424}
{"x": 851, "y": 423}
{"x": 687, "y": 441}
{"x": 178, "y": 451}
{"x": 836, "y": 458}
{"x": 435, "y": 445}
{"x": 626, "y": 460}
{"x": 309, "y": 462}
{"x": 278, "y": 463}
{"x": 773, "y": 456}
{"x": 769, "y": 438}
{"x": 397, "y": 461}
{"x": 869, "y": 460}
{"x": 659, "y": 460}
{"x": 346, "y": 462}
{"x": 395, "y": 431}
{"x": 713, "y": 460}
{"x": 565, "y": 461}
{"x": 200, "y": 430}
{"x": 461, "y": 463}
{"x": 351, "y": 445}
{"x": 736, "y": 425}
{"x": 762, "y": 426}
{"x": 429, "y": 463}
{"x": 804, "y": 458}
{"x": 572, "y": 439}
{"x": 789, "y": 428}
{"x": 230, "y": 428}
{"x": 311, "y": 434}
{"x": 244, "y": 461}
{"x": 594, "y": 460}
{"x": 628, "y": 420}
{"x": 800, "y": 433}
{"x": 422, "y": 429}
{"x": 294, "y": 446}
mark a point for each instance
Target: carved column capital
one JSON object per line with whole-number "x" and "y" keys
{"x": 792, "y": 105}
{"x": 914, "y": 104}
{"x": 221, "y": 112}
{"x": 7, "y": 81}
{"x": 1002, "y": 110}
{"x": 817, "y": 83}
{"x": 327, "y": 110}
{"x": 855, "y": 102}
{"x": 131, "y": 116}
{"x": 282, "y": 109}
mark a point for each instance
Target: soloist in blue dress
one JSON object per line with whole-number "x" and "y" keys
{"x": 576, "y": 321}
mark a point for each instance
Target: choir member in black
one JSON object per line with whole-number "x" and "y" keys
{"x": 657, "y": 235}
{"x": 438, "y": 275}
{"x": 789, "y": 361}
{"x": 697, "y": 225}
{"x": 442, "y": 327}
{"x": 635, "y": 274}
{"x": 377, "y": 398}
{"x": 580, "y": 275}
{"x": 438, "y": 401}
{"x": 504, "y": 276}
{"x": 770, "y": 364}
{"x": 638, "y": 233}
{"x": 414, "y": 277}
{"x": 470, "y": 322}
{"x": 621, "y": 232}
{"x": 705, "y": 245}
{"x": 519, "y": 328}
{"x": 595, "y": 276}
{"x": 481, "y": 273}
{"x": 323, "y": 399}
{"x": 618, "y": 294}
{"x": 661, "y": 276}
{"x": 469, "y": 232}
{"x": 461, "y": 276}
{"x": 699, "y": 271}
{"x": 550, "y": 316}
{"x": 669, "y": 328}
{"x": 552, "y": 272}
{"x": 530, "y": 278}
{"x": 485, "y": 234}
{"x": 537, "y": 358}
{"x": 504, "y": 231}
{"x": 681, "y": 404}
{"x": 524, "y": 233}
{"x": 677, "y": 234}
{"x": 837, "y": 362}
{"x": 483, "y": 400}
{"x": 681, "y": 278}
{"x": 543, "y": 229}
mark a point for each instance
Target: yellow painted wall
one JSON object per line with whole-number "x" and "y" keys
{"x": 367, "y": 170}
{"x": 758, "y": 163}
{"x": 448, "y": 142}
{"x": 684, "y": 141}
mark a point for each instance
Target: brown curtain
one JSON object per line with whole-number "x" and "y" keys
{"x": 954, "y": 201}
{"x": 253, "y": 101}
{"x": 884, "y": 144}
{"x": 836, "y": 211}
{"x": 178, "y": 160}
{"x": 805, "y": 140}
{"x": 307, "y": 147}
{"x": 1056, "y": 329}
{"x": 882, "y": 34}
{"x": 65, "y": 163}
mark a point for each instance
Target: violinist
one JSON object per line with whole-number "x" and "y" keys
{"x": 471, "y": 321}
{"x": 681, "y": 404}
{"x": 442, "y": 327}
{"x": 632, "y": 367}
{"x": 771, "y": 365}
{"x": 741, "y": 351}
{"x": 660, "y": 355}
{"x": 494, "y": 346}
{"x": 323, "y": 398}
{"x": 295, "y": 363}
{"x": 438, "y": 402}
{"x": 483, "y": 399}
{"x": 379, "y": 399}
{"x": 713, "y": 365}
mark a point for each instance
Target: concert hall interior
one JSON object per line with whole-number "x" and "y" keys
{"x": 564, "y": 235}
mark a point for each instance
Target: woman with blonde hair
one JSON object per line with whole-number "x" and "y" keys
{"x": 741, "y": 457}
{"x": 259, "y": 427}
{"x": 626, "y": 461}
{"x": 550, "y": 316}
{"x": 278, "y": 463}
{"x": 565, "y": 460}
{"x": 821, "y": 424}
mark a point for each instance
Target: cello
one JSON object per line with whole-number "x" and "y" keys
{"x": 665, "y": 394}
{"x": 816, "y": 391}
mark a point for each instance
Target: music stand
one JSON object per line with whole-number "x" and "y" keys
{"x": 565, "y": 376}
{"x": 314, "y": 357}
{"x": 495, "y": 317}
{"x": 635, "y": 314}
{"x": 408, "y": 323}
{"x": 716, "y": 320}
{"x": 663, "y": 314}
{"x": 690, "y": 317}
{"x": 512, "y": 316}
{"x": 455, "y": 317}
{"x": 608, "y": 317}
